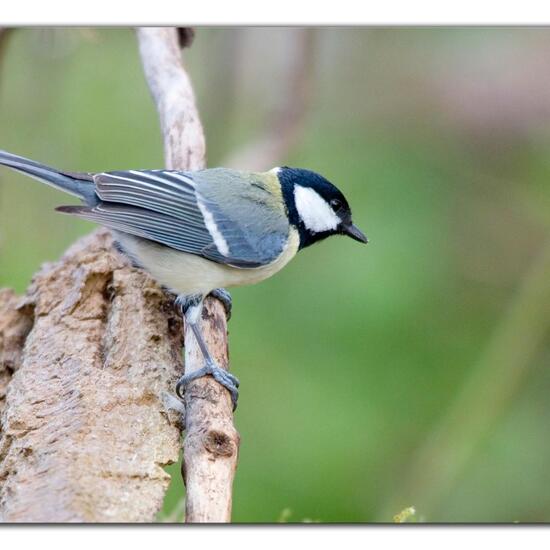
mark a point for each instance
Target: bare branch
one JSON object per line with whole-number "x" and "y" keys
{"x": 211, "y": 443}
{"x": 88, "y": 357}
{"x": 184, "y": 146}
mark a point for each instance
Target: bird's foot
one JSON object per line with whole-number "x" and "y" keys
{"x": 184, "y": 302}
{"x": 225, "y": 298}
{"x": 226, "y": 379}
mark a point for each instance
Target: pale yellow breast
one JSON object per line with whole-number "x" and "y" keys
{"x": 190, "y": 274}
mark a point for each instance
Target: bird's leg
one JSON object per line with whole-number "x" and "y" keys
{"x": 224, "y": 297}
{"x": 191, "y": 308}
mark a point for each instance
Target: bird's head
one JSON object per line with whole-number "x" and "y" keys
{"x": 316, "y": 207}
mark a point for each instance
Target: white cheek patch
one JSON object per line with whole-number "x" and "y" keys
{"x": 314, "y": 211}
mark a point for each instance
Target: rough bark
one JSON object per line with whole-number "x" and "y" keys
{"x": 89, "y": 358}
{"x": 211, "y": 443}
{"x": 15, "y": 323}
{"x": 93, "y": 347}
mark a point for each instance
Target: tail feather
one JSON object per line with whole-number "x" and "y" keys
{"x": 80, "y": 185}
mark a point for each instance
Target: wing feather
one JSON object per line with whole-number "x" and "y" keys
{"x": 142, "y": 223}
{"x": 148, "y": 190}
{"x": 181, "y": 210}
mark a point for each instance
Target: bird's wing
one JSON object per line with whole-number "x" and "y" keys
{"x": 182, "y": 210}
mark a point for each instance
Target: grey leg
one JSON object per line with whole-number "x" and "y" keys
{"x": 191, "y": 307}
{"x": 225, "y": 298}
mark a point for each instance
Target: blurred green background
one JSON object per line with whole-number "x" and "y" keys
{"x": 411, "y": 372}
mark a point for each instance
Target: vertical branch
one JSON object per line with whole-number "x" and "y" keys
{"x": 86, "y": 358}
{"x": 211, "y": 442}
{"x": 184, "y": 146}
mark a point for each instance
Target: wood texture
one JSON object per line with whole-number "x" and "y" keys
{"x": 89, "y": 353}
{"x": 211, "y": 443}
{"x": 184, "y": 144}
{"x": 89, "y": 358}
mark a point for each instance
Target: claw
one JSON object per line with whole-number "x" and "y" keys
{"x": 191, "y": 308}
{"x": 225, "y": 298}
{"x": 226, "y": 379}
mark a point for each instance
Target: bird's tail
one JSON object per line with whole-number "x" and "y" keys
{"x": 80, "y": 185}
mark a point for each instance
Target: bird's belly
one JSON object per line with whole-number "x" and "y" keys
{"x": 186, "y": 274}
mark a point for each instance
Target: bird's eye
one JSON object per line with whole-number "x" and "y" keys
{"x": 336, "y": 204}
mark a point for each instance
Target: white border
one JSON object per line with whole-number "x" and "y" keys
{"x": 286, "y": 536}
{"x": 287, "y": 12}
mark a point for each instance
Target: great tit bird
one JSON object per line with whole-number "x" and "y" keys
{"x": 199, "y": 232}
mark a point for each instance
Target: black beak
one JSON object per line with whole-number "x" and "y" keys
{"x": 354, "y": 233}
